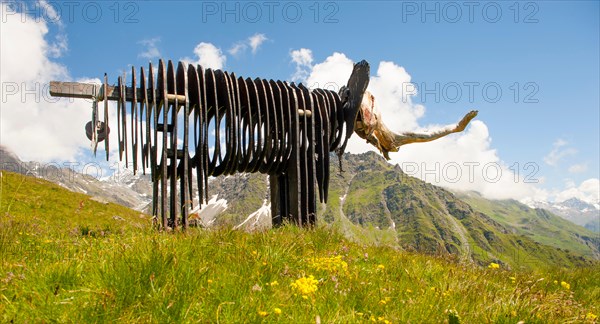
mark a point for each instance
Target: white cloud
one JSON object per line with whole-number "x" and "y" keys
{"x": 560, "y": 150}
{"x": 578, "y": 168}
{"x": 237, "y": 49}
{"x": 207, "y": 55}
{"x": 256, "y": 41}
{"x": 464, "y": 161}
{"x": 34, "y": 125}
{"x": 151, "y": 49}
{"x": 60, "y": 43}
{"x": 332, "y": 74}
{"x": 588, "y": 191}
{"x": 303, "y": 59}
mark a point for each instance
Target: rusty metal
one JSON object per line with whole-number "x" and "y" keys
{"x": 272, "y": 127}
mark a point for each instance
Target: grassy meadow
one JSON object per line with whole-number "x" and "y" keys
{"x": 67, "y": 258}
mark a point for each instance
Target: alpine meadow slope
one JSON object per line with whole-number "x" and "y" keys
{"x": 67, "y": 258}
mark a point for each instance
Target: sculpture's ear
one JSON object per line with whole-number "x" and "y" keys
{"x": 353, "y": 93}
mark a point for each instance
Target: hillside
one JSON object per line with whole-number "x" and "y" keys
{"x": 66, "y": 258}
{"x": 373, "y": 201}
{"x": 39, "y": 206}
{"x": 538, "y": 224}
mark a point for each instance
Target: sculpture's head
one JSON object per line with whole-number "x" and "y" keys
{"x": 363, "y": 117}
{"x": 369, "y": 125}
{"x": 352, "y": 95}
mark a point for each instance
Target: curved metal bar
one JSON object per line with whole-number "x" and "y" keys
{"x": 104, "y": 90}
{"x": 162, "y": 169}
{"x": 123, "y": 97}
{"x": 134, "y": 122}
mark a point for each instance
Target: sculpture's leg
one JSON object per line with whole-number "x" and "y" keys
{"x": 292, "y": 173}
{"x": 310, "y": 192}
{"x": 279, "y": 185}
{"x": 302, "y": 158}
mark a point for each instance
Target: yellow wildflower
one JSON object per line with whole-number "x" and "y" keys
{"x": 380, "y": 318}
{"x": 277, "y": 310}
{"x": 359, "y": 314}
{"x": 385, "y": 300}
{"x": 330, "y": 264}
{"x": 254, "y": 253}
{"x": 305, "y": 285}
{"x": 494, "y": 266}
{"x": 381, "y": 267}
{"x": 408, "y": 290}
{"x": 209, "y": 281}
{"x": 591, "y": 316}
{"x": 273, "y": 283}
{"x": 263, "y": 313}
{"x": 565, "y": 285}
{"x": 556, "y": 282}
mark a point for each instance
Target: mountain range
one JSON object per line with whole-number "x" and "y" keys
{"x": 574, "y": 210}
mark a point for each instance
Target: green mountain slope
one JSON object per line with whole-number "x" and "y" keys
{"x": 36, "y": 205}
{"x": 537, "y": 224}
{"x": 426, "y": 218}
{"x": 375, "y": 202}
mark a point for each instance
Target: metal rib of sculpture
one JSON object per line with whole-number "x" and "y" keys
{"x": 272, "y": 127}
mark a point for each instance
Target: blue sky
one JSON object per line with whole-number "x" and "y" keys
{"x": 543, "y": 56}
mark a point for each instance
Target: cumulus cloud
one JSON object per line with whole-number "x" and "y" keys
{"x": 464, "y": 161}
{"x": 559, "y": 151}
{"x": 254, "y": 42}
{"x": 34, "y": 125}
{"x": 150, "y": 50}
{"x": 588, "y": 191}
{"x": 60, "y": 44}
{"x": 303, "y": 59}
{"x": 207, "y": 55}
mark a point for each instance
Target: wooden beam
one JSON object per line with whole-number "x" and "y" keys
{"x": 86, "y": 91}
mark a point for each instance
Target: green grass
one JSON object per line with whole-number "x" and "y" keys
{"x": 50, "y": 272}
{"x": 228, "y": 276}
